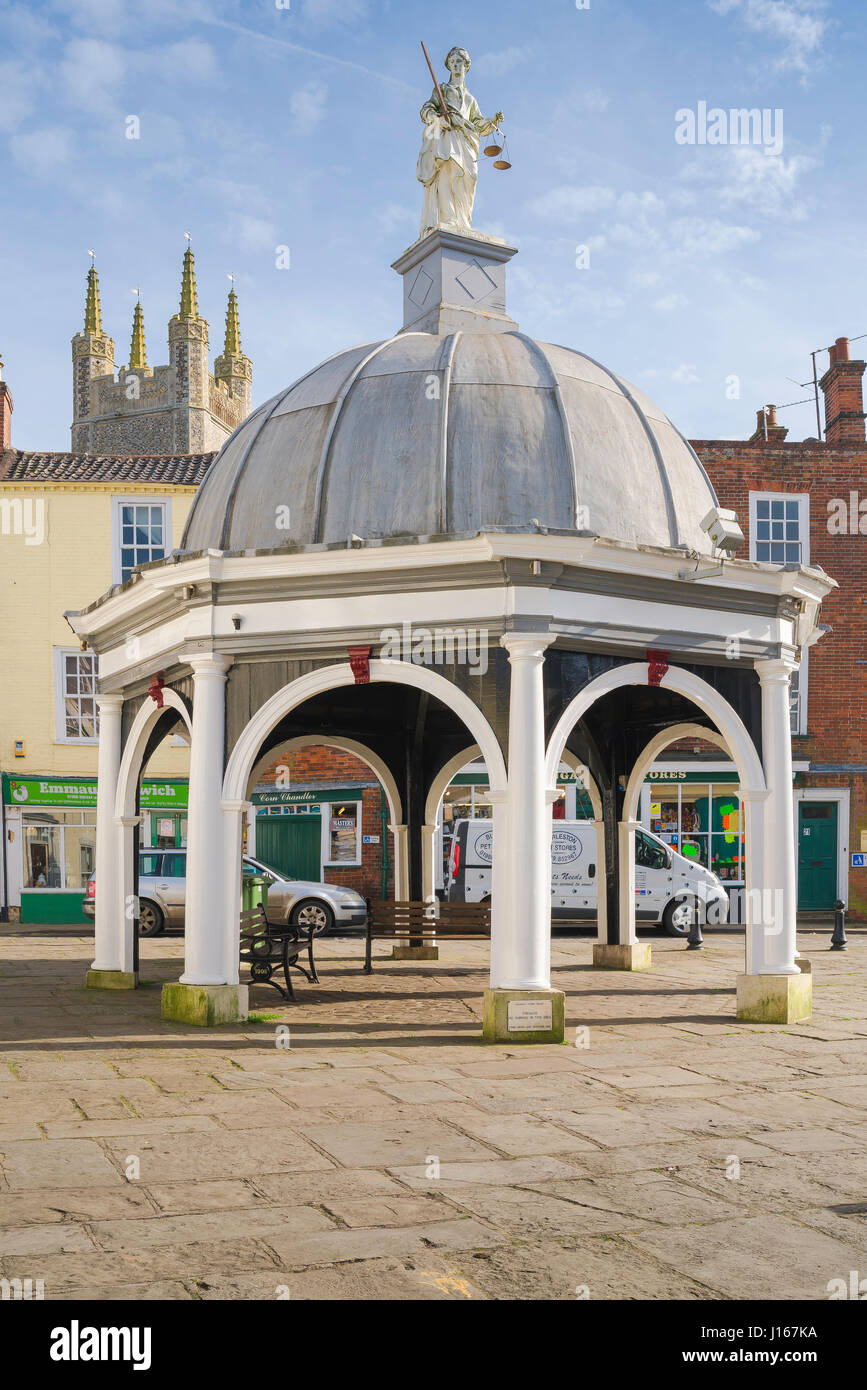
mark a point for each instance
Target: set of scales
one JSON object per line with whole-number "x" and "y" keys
{"x": 498, "y": 153}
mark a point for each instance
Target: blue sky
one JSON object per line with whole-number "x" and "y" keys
{"x": 263, "y": 126}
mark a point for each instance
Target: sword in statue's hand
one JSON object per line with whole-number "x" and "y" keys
{"x": 445, "y": 109}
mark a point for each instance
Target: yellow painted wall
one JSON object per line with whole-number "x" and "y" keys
{"x": 38, "y": 583}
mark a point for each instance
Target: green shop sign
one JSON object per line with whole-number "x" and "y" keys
{"x": 278, "y": 797}
{"x": 81, "y": 791}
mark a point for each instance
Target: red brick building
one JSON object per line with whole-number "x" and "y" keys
{"x": 808, "y": 501}
{"x": 321, "y": 815}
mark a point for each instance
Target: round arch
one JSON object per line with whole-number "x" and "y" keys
{"x": 651, "y": 752}
{"x": 136, "y": 743}
{"x": 241, "y": 760}
{"x": 347, "y": 745}
{"x": 727, "y": 721}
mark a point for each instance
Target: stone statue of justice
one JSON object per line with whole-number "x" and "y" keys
{"x": 448, "y": 163}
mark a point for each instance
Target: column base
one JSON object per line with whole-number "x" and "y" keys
{"x": 524, "y": 1016}
{"x": 415, "y": 953}
{"x": 111, "y": 979}
{"x": 775, "y": 998}
{"x": 633, "y": 956}
{"x": 205, "y": 1005}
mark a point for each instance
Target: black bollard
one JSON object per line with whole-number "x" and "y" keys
{"x": 838, "y": 936}
{"x": 695, "y": 940}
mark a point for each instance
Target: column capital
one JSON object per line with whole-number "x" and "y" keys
{"x": 109, "y": 704}
{"x": 776, "y": 670}
{"x": 241, "y": 805}
{"x": 207, "y": 663}
{"x": 526, "y": 646}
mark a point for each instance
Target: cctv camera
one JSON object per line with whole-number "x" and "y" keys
{"x": 722, "y": 527}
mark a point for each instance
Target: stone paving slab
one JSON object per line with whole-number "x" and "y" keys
{"x": 389, "y": 1155}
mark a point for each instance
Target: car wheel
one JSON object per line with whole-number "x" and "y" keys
{"x": 678, "y": 915}
{"x": 150, "y": 919}
{"x": 312, "y": 913}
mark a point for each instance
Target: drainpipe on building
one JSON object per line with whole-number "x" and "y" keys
{"x": 386, "y": 861}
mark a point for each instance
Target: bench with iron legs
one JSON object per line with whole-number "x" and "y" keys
{"x": 269, "y": 947}
{"x": 420, "y": 924}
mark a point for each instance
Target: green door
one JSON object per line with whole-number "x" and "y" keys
{"x": 292, "y": 845}
{"x": 817, "y": 855}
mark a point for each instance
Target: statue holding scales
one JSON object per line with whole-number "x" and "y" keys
{"x": 448, "y": 164}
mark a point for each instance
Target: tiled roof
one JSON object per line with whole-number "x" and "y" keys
{"x": 20, "y": 465}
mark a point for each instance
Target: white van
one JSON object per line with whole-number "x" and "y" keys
{"x": 668, "y": 887}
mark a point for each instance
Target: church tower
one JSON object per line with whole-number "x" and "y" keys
{"x": 233, "y": 371}
{"x": 92, "y": 356}
{"x": 188, "y": 354}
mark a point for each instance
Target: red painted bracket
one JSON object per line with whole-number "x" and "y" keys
{"x": 155, "y": 689}
{"x": 657, "y": 665}
{"x": 359, "y": 660}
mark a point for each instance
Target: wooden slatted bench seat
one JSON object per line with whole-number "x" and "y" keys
{"x": 270, "y": 946}
{"x": 416, "y": 923}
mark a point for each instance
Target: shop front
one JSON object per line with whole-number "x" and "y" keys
{"x": 49, "y": 840}
{"x": 323, "y": 834}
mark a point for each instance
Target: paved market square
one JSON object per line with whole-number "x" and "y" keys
{"x": 385, "y": 1153}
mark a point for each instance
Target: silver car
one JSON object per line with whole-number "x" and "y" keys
{"x": 162, "y": 888}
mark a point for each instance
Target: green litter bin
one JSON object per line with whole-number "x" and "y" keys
{"x": 254, "y": 891}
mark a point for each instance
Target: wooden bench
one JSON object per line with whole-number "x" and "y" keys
{"x": 269, "y": 946}
{"x": 419, "y": 924}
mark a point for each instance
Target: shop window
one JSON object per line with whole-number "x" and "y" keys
{"x": 141, "y": 532}
{"x": 344, "y": 830}
{"x": 75, "y": 677}
{"x": 703, "y": 822}
{"x": 59, "y": 849}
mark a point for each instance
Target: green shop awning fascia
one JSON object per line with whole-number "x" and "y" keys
{"x": 157, "y": 794}
{"x": 307, "y": 796}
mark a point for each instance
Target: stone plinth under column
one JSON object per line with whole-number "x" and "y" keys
{"x": 634, "y": 956}
{"x": 205, "y": 1005}
{"x": 415, "y": 953}
{"x": 524, "y": 1015}
{"x": 111, "y": 979}
{"x": 775, "y": 998}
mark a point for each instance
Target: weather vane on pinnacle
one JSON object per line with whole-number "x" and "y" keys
{"x": 448, "y": 164}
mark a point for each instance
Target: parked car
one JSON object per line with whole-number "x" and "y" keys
{"x": 162, "y": 888}
{"x": 669, "y": 888}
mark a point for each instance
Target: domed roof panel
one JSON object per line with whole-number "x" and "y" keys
{"x": 322, "y": 386}
{"x": 211, "y": 503}
{"x": 506, "y": 459}
{"x": 381, "y": 471}
{"x": 499, "y": 359}
{"x": 281, "y": 477}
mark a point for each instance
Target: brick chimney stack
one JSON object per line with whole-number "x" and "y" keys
{"x": 5, "y": 413}
{"x": 844, "y": 404}
{"x": 766, "y": 419}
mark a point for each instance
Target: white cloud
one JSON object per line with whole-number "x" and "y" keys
{"x": 91, "y": 72}
{"x": 327, "y": 12}
{"x": 797, "y": 25}
{"x": 684, "y": 375}
{"x": 190, "y": 58}
{"x": 307, "y": 106}
{"x": 568, "y": 201}
{"x": 18, "y": 87}
{"x": 255, "y": 233}
{"x": 744, "y": 174}
{"x": 395, "y": 216}
{"x": 498, "y": 63}
{"x": 708, "y": 236}
{"x": 42, "y": 151}
{"x": 669, "y": 302}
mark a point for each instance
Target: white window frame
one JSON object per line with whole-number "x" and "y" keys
{"x": 131, "y": 499}
{"x": 327, "y": 862}
{"x": 60, "y": 734}
{"x": 803, "y": 501}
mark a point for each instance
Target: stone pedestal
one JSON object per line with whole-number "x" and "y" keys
{"x": 455, "y": 280}
{"x": 524, "y": 1016}
{"x": 111, "y": 979}
{"x": 205, "y": 1005}
{"x": 775, "y": 998}
{"x": 415, "y": 953}
{"x": 633, "y": 956}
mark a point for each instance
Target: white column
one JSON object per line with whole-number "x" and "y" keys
{"x": 401, "y": 862}
{"x": 109, "y": 926}
{"x": 428, "y": 863}
{"x": 626, "y": 935}
{"x": 775, "y": 945}
{"x": 522, "y": 959}
{"x": 754, "y": 877}
{"x": 126, "y": 901}
{"x": 601, "y": 884}
{"x": 205, "y": 948}
{"x": 227, "y": 925}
